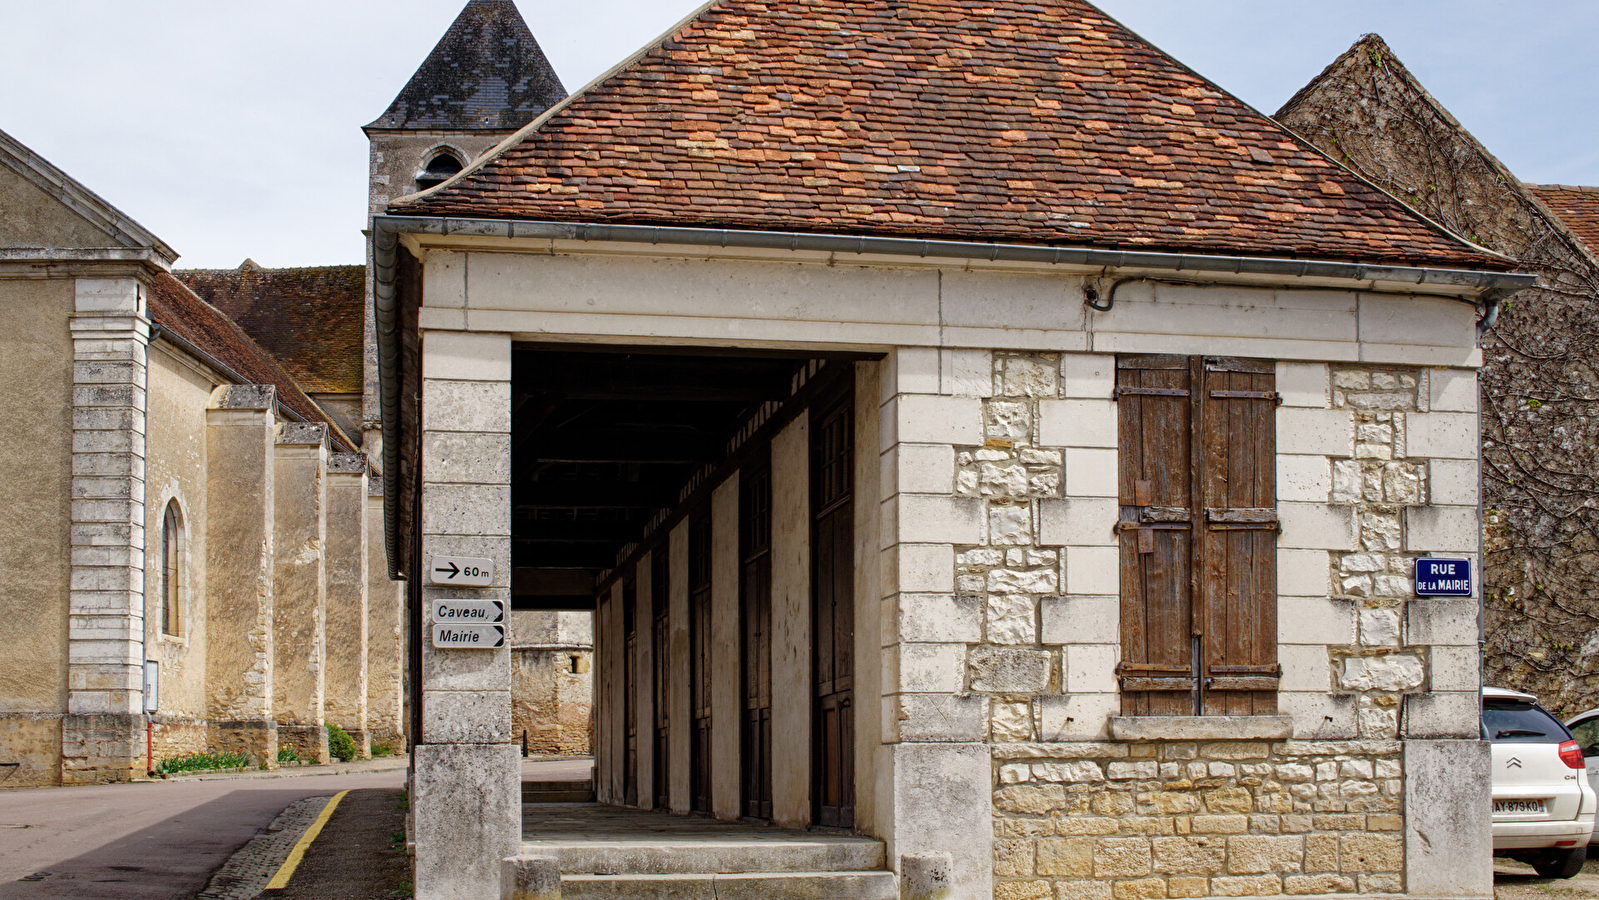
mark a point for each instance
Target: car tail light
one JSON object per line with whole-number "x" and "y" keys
{"x": 1571, "y": 755}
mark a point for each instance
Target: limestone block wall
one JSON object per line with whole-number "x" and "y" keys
{"x": 347, "y": 602}
{"x": 386, "y": 624}
{"x": 552, "y": 678}
{"x": 299, "y": 574}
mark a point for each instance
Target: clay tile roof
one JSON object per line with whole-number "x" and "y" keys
{"x": 487, "y": 72}
{"x": 311, "y": 320}
{"x": 180, "y": 311}
{"x": 1577, "y": 207}
{"x": 1026, "y": 121}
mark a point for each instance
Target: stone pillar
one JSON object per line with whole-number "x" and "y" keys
{"x": 300, "y": 589}
{"x": 467, "y": 774}
{"x": 385, "y": 633}
{"x": 870, "y": 751}
{"x": 347, "y": 597}
{"x": 938, "y": 767}
{"x": 727, "y": 706}
{"x": 240, "y": 441}
{"x": 680, "y": 783}
{"x": 101, "y": 736}
{"x": 791, "y": 626}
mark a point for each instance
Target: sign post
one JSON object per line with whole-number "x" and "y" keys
{"x": 1439, "y": 576}
{"x": 461, "y": 571}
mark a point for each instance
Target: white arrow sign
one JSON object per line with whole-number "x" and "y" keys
{"x": 469, "y": 637}
{"x": 461, "y": 571}
{"x": 469, "y": 612}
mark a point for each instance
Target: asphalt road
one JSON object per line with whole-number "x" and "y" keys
{"x": 159, "y": 841}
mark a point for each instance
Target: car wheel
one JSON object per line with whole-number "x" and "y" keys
{"x": 1560, "y": 863}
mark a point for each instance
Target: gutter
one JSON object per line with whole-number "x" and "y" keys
{"x": 1493, "y": 287}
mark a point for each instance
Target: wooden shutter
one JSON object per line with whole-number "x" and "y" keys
{"x": 1238, "y": 543}
{"x": 1197, "y": 535}
{"x": 1155, "y": 407}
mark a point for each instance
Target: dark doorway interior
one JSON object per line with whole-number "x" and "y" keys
{"x": 833, "y": 594}
{"x": 755, "y": 607}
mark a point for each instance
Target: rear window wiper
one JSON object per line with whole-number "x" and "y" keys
{"x": 1519, "y": 732}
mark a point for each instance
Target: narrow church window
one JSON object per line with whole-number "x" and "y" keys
{"x": 170, "y": 576}
{"x": 438, "y": 170}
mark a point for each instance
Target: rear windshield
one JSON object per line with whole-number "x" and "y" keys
{"x": 1520, "y": 722}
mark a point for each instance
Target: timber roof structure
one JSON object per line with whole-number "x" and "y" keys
{"x": 181, "y": 312}
{"x": 486, "y": 73}
{"x": 312, "y": 320}
{"x": 1577, "y": 207}
{"x": 1041, "y": 122}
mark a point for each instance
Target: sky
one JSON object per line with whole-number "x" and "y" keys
{"x": 232, "y": 129}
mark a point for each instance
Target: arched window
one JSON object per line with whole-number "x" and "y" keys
{"x": 171, "y": 575}
{"x": 439, "y": 169}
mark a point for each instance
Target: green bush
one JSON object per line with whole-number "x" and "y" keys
{"x": 288, "y": 755}
{"x": 340, "y": 744}
{"x": 202, "y": 762}
{"x": 381, "y": 750}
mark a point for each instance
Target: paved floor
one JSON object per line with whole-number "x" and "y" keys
{"x": 158, "y": 840}
{"x": 568, "y": 823}
{"x": 567, "y": 768}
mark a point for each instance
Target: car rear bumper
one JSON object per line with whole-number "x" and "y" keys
{"x": 1533, "y": 835}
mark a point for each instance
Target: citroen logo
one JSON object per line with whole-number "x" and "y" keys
{"x": 1513, "y": 763}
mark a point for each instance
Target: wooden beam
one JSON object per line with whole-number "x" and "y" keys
{"x": 620, "y": 445}
{"x": 595, "y": 495}
{"x": 554, "y": 531}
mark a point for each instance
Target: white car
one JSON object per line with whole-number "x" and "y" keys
{"x": 1585, "y": 728}
{"x": 1543, "y": 811}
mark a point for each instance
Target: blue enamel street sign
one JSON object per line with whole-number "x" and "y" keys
{"x": 1438, "y": 576}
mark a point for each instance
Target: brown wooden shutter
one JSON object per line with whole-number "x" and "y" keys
{"x": 1198, "y": 535}
{"x": 1238, "y": 538}
{"x": 1158, "y": 674}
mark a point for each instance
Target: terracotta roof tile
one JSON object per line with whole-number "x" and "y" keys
{"x": 999, "y": 120}
{"x": 180, "y": 311}
{"x": 1577, "y": 207}
{"x": 311, "y": 320}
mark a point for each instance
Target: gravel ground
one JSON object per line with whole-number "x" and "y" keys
{"x": 1514, "y": 881}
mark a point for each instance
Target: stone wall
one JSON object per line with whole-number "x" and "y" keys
{"x": 551, "y": 707}
{"x": 1117, "y": 821}
{"x": 176, "y": 736}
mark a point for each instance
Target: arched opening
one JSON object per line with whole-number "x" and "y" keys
{"x": 439, "y": 168}
{"x": 171, "y": 568}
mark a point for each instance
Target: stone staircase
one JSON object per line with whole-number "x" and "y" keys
{"x": 558, "y": 791}
{"x": 652, "y": 855}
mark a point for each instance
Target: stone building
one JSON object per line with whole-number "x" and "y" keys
{"x": 1540, "y": 408}
{"x": 979, "y": 434}
{"x": 177, "y": 503}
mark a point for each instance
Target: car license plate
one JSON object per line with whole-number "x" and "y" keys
{"x": 1521, "y": 807}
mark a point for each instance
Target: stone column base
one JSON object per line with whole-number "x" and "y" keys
{"x": 310, "y": 741}
{"x": 101, "y": 748}
{"x": 255, "y": 738}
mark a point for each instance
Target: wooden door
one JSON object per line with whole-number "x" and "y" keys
{"x": 630, "y": 689}
{"x": 660, "y": 639}
{"x": 755, "y": 649}
{"x": 699, "y": 611}
{"x": 833, "y": 596}
{"x": 1198, "y": 535}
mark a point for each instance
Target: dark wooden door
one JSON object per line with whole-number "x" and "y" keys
{"x": 755, "y": 649}
{"x": 660, "y": 641}
{"x": 1198, "y": 535}
{"x": 630, "y": 689}
{"x": 699, "y": 611}
{"x": 833, "y": 596}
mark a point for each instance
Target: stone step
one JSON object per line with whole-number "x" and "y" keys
{"x": 744, "y": 886}
{"x": 770, "y": 855}
{"x": 557, "y": 796}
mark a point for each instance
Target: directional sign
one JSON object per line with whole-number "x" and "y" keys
{"x": 1438, "y": 576}
{"x": 469, "y": 637}
{"x": 461, "y": 572}
{"x": 469, "y": 612}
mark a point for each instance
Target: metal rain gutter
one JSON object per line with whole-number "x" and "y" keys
{"x": 386, "y": 230}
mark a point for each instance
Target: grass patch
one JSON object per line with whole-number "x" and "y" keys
{"x": 203, "y": 762}
{"x": 288, "y": 756}
{"x": 381, "y": 750}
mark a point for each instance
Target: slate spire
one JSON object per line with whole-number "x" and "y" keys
{"x": 487, "y": 73}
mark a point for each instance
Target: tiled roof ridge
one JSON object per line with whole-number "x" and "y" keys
{"x": 1580, "y": 188}
{"x": 267, "y": 270}
{"x": 1337, "y": 233}
{"x": 1392, "y": 64}
{"x": 296, "y": 400}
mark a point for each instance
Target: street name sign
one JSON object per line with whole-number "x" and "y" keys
{"x": 460, "y": 571}
{"x": 468, "y": 637}
{"x": 1439, "y": 576}
{"x": 469, "y": 612}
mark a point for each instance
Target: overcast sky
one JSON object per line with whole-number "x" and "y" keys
{"x": 232, "y": 129}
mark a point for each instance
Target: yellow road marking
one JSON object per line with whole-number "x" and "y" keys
{"x": 286, "y": 871}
